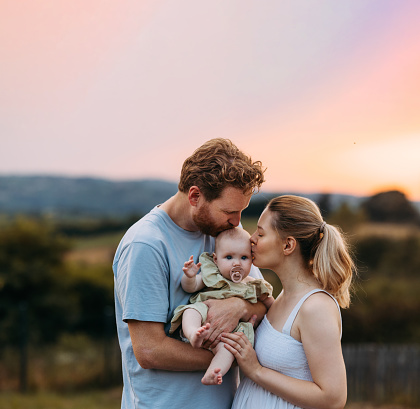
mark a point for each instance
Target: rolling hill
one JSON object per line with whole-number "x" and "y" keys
{"x": 64, "y": 197}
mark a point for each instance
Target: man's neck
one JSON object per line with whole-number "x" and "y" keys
{"x": 178, "y": 209}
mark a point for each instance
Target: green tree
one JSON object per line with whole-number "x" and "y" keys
{"x": 31, "y": 259}
{"x": 391, "y": 207}
{"x": 57, "y": 297}
{"x": 324, "y": 204}
{"x": 346, "y": 217}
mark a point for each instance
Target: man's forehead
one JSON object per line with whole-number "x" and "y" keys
{"x": 233, "y": 199}
{"x": 233, "y": 207}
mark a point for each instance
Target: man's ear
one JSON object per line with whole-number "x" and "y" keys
{"x": 194, "y": 195}
{"x": 289, "y": 245}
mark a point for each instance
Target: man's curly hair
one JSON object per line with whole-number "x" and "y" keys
{"x": 218, "y": 164}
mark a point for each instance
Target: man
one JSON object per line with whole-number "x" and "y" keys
{"x": 159, "y": 371}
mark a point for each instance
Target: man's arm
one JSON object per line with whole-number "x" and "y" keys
{"x": 153, "y": 349}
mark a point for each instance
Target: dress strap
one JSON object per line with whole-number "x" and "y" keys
{"x": 288, "y": 325}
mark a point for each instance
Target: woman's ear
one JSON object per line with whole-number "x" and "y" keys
{"x": 289, "y": 245}
{"x": 194, "y": 195}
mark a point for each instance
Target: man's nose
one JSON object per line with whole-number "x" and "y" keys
{"x": 234, "y": 220}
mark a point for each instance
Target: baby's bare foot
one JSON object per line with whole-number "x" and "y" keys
{"x": 212, "y": 377}
{"x": 198, "y": 337}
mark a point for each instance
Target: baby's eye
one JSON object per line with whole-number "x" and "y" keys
{"x": 244, "y": 257}
{"x": 229, "y": 257}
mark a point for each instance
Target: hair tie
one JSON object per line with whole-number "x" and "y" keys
{"x": 321, "y": 230}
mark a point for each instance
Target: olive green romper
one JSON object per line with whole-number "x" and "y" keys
{"x": 218, "y": 287}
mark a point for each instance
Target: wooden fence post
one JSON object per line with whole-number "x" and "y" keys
{"x": 23, "y": 346}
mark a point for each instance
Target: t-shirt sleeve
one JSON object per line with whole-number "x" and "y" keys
{"x": 255, "y": 272}
{"x": 142, "y": 284}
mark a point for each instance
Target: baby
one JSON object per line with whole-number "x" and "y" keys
{"x": 223, "y": 275}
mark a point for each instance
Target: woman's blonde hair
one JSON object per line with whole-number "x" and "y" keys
{"x": 322, "y": 246}
{"x": 216, "y": 164}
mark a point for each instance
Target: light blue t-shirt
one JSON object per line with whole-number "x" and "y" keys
{"x": 147, "y": 277}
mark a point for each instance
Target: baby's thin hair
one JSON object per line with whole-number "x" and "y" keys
{"x": 234, "y": 233}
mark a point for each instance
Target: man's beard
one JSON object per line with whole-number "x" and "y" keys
{"x": 205, "y": 223}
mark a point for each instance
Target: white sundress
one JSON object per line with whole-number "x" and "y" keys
{"x": 278, "y": 351}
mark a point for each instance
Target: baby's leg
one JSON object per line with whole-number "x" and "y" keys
{"x": 192, "y": 328}
{"x": 220, "y": 364}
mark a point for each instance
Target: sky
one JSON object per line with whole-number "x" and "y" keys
{"x": 325, "y": 93}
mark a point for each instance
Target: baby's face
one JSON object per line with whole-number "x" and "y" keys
{"x": 233, "y": 257}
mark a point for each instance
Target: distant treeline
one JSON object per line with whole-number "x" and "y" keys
{"x": 384, "y": 207}
{"x": 95, "y": 227}
{"x": 74, "y": 198}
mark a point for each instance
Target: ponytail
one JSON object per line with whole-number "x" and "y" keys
{"x": 332, "y": 265}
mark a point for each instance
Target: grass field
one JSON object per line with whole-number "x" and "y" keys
{"x": 94, "y": 250}
{"x": 110, "y": 399}
{"x": 104, "y": 399}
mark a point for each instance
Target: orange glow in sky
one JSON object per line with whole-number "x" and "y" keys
{"x": 326, "y": 94}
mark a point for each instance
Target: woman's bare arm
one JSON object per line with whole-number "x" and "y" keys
{"x": 320, "y": 332}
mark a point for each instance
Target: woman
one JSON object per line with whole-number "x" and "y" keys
{"x": 297, "y": 360}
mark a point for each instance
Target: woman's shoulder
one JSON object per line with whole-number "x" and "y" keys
{"x": 317, "y": 303}
{"x": 320, "y": 312}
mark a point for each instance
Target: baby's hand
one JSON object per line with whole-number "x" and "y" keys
{"x": 190, "y": 269}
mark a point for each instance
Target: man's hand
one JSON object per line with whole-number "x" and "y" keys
{"x": 224, "y": 315}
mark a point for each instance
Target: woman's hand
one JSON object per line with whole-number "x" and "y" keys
{"x": 238, "y": 344}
